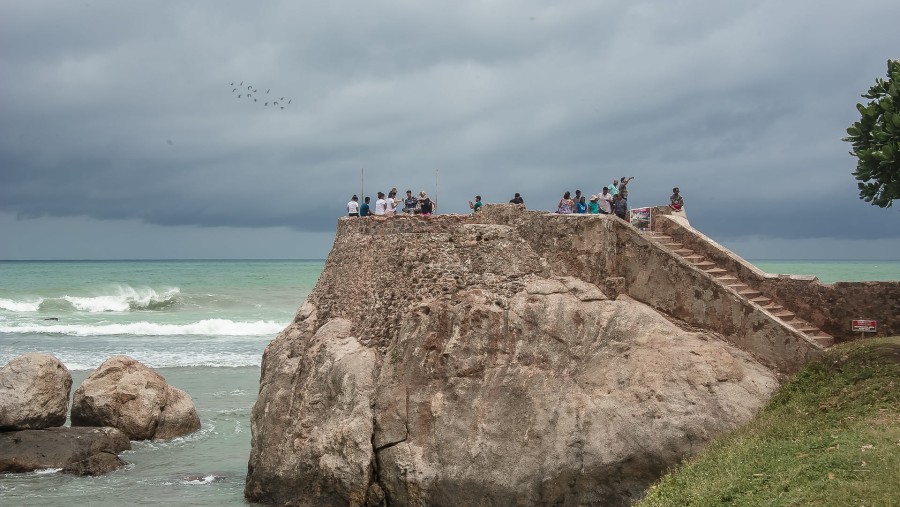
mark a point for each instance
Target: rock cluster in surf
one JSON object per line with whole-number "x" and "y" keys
{"x": 121, "y": 400}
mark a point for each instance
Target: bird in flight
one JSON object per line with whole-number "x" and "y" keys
{"x": 250, "y": 90}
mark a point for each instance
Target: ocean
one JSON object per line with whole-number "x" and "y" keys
{"x": 203, "y": 325}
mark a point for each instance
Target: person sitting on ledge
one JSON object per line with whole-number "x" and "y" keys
{"x": 517, "y": 199}
{"x": 364, "y": 209}
{"x": 380, "y": 205}
{"x": 677, "y": 202}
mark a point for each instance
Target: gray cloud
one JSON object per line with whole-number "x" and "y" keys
{"x": 117, "y": 110}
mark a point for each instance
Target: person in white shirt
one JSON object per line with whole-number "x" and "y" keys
{"x": 604, "y": 201}
{"x": 380, "y": 205}
{"x": 353, "y": 206}
{"x": 391, "y": 207}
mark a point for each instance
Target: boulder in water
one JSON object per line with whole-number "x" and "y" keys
{"x": 34, "y": 392}
{"x": 79, "y": 451}
{"x": 125, "y": 394}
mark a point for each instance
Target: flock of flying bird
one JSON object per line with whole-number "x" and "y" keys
{"x": 247, "y": 92}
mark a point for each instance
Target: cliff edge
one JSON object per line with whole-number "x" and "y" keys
{"x": 499, "y": 359}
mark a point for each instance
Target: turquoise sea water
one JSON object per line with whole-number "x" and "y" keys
{"x": 203, "y": 325}
{"x": 834, "y": 271}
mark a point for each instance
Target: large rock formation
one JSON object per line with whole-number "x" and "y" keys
{"x": 484, "y": 361}
{"x": 125, "y": 394}
{"x": 79, "y": 451}
{"x": 34, "y": 392}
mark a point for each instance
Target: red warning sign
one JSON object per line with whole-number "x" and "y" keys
{"x": 863, "y": 325}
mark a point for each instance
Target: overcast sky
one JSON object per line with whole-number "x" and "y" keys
{"x": 121, "y": 135}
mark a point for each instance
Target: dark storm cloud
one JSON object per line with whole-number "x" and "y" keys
{"x": 120, "y": 110}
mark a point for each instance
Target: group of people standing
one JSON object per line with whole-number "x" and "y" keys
{"x": 612, "y": 199}
{"x": 390, "y": 206}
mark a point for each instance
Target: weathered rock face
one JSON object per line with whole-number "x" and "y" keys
{"x": 467, "y": 369}
{"x": 125, "y": 394}
{"x": 34, "y": 392}
{"x": 79, "y": 451}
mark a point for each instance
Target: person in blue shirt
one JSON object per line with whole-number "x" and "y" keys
{"x": 581, "y": 206}
{"x": 364, "y": 208}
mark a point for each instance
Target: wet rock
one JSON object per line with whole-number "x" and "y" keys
{"x": 34, "y": 392}
{"x": 80, "y": 451}
{"x": 125, "y": 394}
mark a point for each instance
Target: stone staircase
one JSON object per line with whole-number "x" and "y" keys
{"x": 749, "y": 293}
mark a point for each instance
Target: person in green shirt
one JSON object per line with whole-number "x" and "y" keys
{"x": 476, "y": 205}
{"x": 594, "y": 206}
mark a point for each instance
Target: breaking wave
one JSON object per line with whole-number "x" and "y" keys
{"x": 123, "y": 298}
{"x": 213, "y": 327}
{"x": 126, "y": 298}
{"x": 30, "y": 305}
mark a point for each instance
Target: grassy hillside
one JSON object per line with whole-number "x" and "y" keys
{"x": 829, "y": 437}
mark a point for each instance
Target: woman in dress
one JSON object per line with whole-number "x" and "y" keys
{"x": 565, "y": 204}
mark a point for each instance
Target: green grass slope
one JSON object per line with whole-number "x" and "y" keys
{"x": 829, "y": 437}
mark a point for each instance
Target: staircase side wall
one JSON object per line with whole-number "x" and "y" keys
{"x": 830, "y": 307}
{"x": 660, "y": 278}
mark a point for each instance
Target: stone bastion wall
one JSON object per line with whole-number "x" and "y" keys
{"x": 400, "y": 260}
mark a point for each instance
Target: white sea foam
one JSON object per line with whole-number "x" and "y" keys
{"x": 45, "y": 471}
{"x": 181, "y": 358}
{"x": 208, "y": 479}
{"x": 30, "y": 305}
{"x": 125, "y": 298}
{"x": 213, "y": 327}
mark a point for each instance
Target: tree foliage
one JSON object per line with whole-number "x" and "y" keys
{"x": 876, "y": 140}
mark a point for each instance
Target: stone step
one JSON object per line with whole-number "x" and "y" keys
{"x": 683, "y": 251}
{"x": 694, "y": 259}
{"x": 738, "y": 286}
{"x": 783, "y": 314}
{"x": 761, "y": 300}
{"x": 750, "y": 293}
{"x": 806, "y": 328}
{"x": 715, "y": 271}
{"x": 671, "y": 245}
{"x": 705, "y": 264}
{"x": 823, "y": 339}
